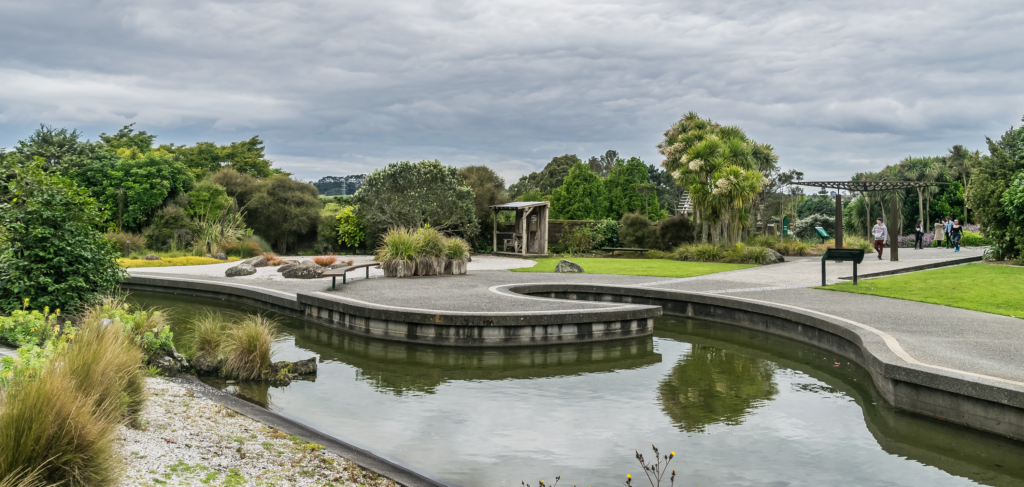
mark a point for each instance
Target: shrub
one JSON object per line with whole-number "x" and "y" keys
{"x": 790, "y": 247}
{"x": 60, "y": 258}
{"x": 605, "y": 233}
{"x": 169, "y": 227}
{"x": 455, "y": 248}
{"x": 804, "y": 228}
{"x": 742, "y": 254}
{"x": 761, "y": 240}
{"x": 398, "y": 244}
{"x": 972, "y": 239}
{"x": 853, "y": 242}
{"x": 698, "y": 253}
{"x": 674, "y": 231}
{"x": 126, "y": 242}
{"x": 637, "y": 231}
{"x": 249, "y": 248}
{"x": 149, "y": 327}
{"x": 171, "y": 262}
{"x": 248, "y": 347}
{"x": 260, "y": 242}
{"x": 325, "y": 260}
{"x": 351, "y": 231}
{"x": 579, "y": 239}
{"x": 207, "y": 333}
{"x": 429, "y": 242}
{"x": 28, "y": 327}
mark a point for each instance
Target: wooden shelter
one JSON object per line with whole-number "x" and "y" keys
{"x": 529, "y": 235}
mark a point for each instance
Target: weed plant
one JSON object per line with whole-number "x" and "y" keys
{"x": 248, "y": 347}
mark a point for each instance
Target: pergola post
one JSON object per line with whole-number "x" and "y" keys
{"x": 894, "y": 222}
{"x": 494, "y": 234}
{"x": 839, "y": 221}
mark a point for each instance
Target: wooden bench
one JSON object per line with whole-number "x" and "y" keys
{"x": 342, "y": 271}
{"x": 620, "y": 249}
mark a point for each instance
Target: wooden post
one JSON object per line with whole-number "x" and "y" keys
{"x": 524, "y": 227}
{"x": 839, "y": 221}
{"x": 494, "y": 234}
{"x": 894, "y": 223}
{"x": 544, "y": 222}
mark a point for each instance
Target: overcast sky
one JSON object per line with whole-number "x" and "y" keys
{"x": 343, "y": 87}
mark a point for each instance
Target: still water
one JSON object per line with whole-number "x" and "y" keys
{"x": 739, "y": 408}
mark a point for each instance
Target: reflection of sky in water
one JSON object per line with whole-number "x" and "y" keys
{"x": 586, "y": 427}
{"x": 489, "y": 418}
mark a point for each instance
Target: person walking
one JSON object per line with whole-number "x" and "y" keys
{"x": 948, "y": 227}
{"x": 919, "y": 236}
{"x": 940, "y": 232}
{"x": 881, "y": 235}
{"x": 956, "y": 232}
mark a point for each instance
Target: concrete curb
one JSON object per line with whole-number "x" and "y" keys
{"x": 363, "y": 458}
{"x": 922, "y": 267}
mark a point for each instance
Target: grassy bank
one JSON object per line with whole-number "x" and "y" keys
{"x": 993, "y": 289}
{"x": 638, "y": 267}
{"x": 172, "y": 261}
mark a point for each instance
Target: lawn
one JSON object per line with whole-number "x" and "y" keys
{"x": 638, "y": 267}
{"x": 997, "y": 289}
{"x": 172, "y": 261}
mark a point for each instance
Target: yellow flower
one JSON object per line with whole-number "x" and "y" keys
{"x": 58, "y": 312}
{"x": 628, "y": 476}
{"x": 673, "y": 454}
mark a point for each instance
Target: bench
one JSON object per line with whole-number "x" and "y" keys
{"x": 342, "y": 271}
{"x": 620, "y": 249}
{"x": 842, "y": 255}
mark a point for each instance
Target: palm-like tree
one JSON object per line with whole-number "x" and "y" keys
{"x": 960, "y": 161}
{"x": 924, "y": 169}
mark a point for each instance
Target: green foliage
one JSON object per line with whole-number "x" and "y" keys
{"x": 280, "y": 209}
{"x": 629, "y": 192}
{"x": 578, "y": 239}
{"x": 327, "y": 229}
{"x": 29, "y": 327}
{"x": 235, "y": 183}
{"x": 244, "y": 157}
{"x": 207, "y": 200}
{"x": 248, "y": 347}
{"x": 743, "y": 254}
{"x": 804, "y": 229}
{"x": 545, "y": 181}
{"x": 973, "y": 239}
{"x": 488, "y": 190}
{"x": 992, "y": 178}
{"x": 637, "y": 231}
{"x": 429, "y": 242}
{"x": 410, "y": 195}
{"x": 169, "y": 227}
{"x": 128, "y": 138}
{"x": 60, "y": 149}
{"x": 605, "y": 233}
{"x": 132, "y": 189}
{"x": 60, "y": 258}
{"x": 674, "y": 231}
{"x": 534, "y": 195}
{"x": 581, "y": 196}
{"x": 351, "y": 231}
{"x": 126, "y": 242}
{"x": 398, "y": 244}
{"x": 699, "y": 253}
{"x": 149, "y": 329}
{"x": 455, "y": 248}
{"x": 1013, "y": 199}
{"x": 818, "y": 205}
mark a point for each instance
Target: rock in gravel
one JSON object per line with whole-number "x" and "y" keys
{"x": 568, "y": 266}
{"x": 242, "y": 269}
{"x": 220, "y": 256}
{"x": 304, "y": 270}
{"x": 169, "y": 363}
{"x": 288, "y": 264}
{"x": 151, "y": 257}
{"x": 774, "y": 257}
{"x": 207, "y": 363}
{"x": 258, "y": 261}
{"x": 337, "y": 265}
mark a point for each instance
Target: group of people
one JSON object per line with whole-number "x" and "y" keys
{"x": 949, "y": 232}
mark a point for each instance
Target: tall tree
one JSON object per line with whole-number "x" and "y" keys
{"x": 581, "y": 197}
{"x": 960, "y": 162}
{"x": 488, "y": 190}
{"x": 61, "y": 150}
{"x": 628, "y": 190}
{"x": 993, "y": 176}
{"x": 547, "y": 179}
{"x": 128, "y": 138}
{"x": 602, "y": 166}
{"x": 281, "y": 209}
{"x": 923, "y": 169}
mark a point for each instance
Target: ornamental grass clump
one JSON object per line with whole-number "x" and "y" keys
{"x": 791, "y": 247}
{"x": 456, "y": 253}
{"x": 744, "y": 254}
{"x": 699, "y": 253}
{"x": 397, "y": 252}
{"x": 430, "y": 252}
{"x": 207, "y": 334}
{"x": 248, "y": 347}
{"x": 325, "y": 260}
{"x": 105, "y": 362}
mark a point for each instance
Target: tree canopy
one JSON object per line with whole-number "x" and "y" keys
{"x": 488, "y": 190}
{"x": 61, "y": 150}
{"x": 280, "y": 209}
{"x": 581, "y": 197}
{"x": 547, "y": 179}
{"x": 993, "y": 192}
{"x": 409, "y": 195}
{"x": 628, "y": 190}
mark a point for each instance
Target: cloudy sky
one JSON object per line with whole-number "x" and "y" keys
{"x": 341, "y": 87}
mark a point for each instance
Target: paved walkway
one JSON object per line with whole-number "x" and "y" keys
{"x": 970, "y": 341}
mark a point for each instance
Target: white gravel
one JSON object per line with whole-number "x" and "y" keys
{"x": 188, "y": 440}
{"x": 479, "y": 263}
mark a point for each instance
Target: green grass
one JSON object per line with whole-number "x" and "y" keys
{"x": 993, "y": 289}
{"x": 637, "y": 267}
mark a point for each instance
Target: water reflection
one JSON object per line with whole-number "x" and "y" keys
{"x": 714, "y": 386}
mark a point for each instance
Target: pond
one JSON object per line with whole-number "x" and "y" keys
{"x": 739, "y": 408}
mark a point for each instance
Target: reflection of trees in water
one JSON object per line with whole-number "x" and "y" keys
{"x": 712, "y": 386}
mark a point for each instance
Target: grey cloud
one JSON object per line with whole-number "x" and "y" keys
{"x": 338, "y": 87}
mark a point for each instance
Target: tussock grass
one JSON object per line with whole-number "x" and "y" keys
{"x": 207, "y": 334}
{"x": 248, "y": 347}
{"x": 455, "y": 248}
{"x": 105, "y": 363}
{"x": 398, "y": 244}
{"x": 430, "y": 242}
{"x": 761, "y": 240}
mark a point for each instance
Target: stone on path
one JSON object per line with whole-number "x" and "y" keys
{"x": 220, "y": 256}
{"x": 151, "y": 257}
{"x": 258, "y": 261}
{"x": 568, "y": 266}
{"x": 242, "y": 269}
{"x": 304, "y": 270}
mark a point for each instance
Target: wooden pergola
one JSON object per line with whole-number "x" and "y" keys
{"x": 529, "y": 237}
{"x": 895, "y": 209}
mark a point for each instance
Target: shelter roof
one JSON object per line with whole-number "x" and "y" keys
{"x": 869, "y": 185}
{"x": 520, "y": 205}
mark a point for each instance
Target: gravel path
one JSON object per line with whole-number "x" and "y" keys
{"x": 188, "y": 440}
{"x": 479, "y": 263}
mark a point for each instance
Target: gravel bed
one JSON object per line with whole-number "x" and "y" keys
{"x": 189, "y": 440}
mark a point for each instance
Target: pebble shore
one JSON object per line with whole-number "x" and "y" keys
{"x": 188, "y": 440}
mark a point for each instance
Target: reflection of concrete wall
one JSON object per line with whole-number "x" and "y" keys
{"x": 974, "y": 402}
{"x": 402, "y": 367}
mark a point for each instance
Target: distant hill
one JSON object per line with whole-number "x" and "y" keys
{"x": 340, "y": 185}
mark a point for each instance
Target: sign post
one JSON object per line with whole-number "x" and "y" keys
{"x": 785, "y": 226}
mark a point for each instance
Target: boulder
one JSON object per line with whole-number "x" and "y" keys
{"x": 774, "y": 257}
{"x": 304, "y": 270}
{"x": 568, "y": 266}
{"x": 207, "y": 364}
{"x": 258, "y": 261}
{"x": 208, "y": 256}
{"x": 284, "y": 372}
{"x": 242, "y": 269}
{"x": 220, "y": 256}
{"x": 151, "y": 257}
{"x": 170, "y": 363}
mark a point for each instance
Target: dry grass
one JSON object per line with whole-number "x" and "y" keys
{"x": 273, "y": 259}
{"x": 105, "y": 362}
{"x": 248, "y": 347}
{"x": 325, "y": 260}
